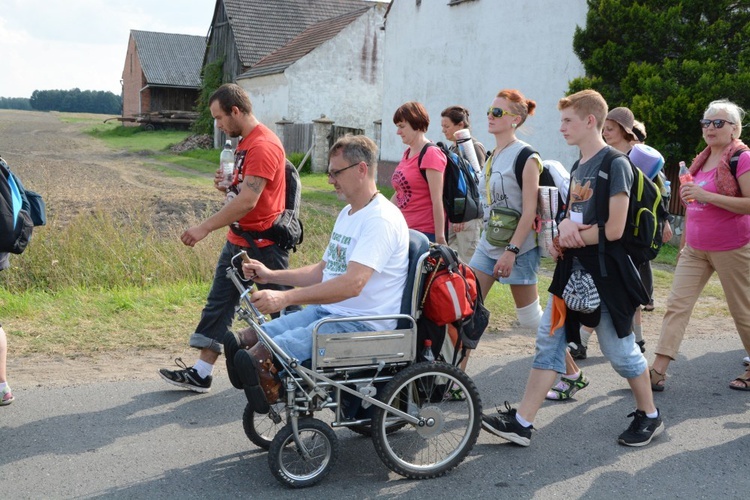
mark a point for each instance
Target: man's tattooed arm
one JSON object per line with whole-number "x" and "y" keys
{"x": 254, "y": 183}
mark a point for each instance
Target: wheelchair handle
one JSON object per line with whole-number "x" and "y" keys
{"x": 235, "y": 277}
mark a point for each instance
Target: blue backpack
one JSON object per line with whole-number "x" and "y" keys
{"x": 20, "y": 211}
{"x": 461, "y": 199}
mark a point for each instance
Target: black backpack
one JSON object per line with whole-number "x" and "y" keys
{"x": 643, "y": 227}
{"x": 287, "y": 230}
{"x": 460, "y": 186}
{"x": 734, "y": 160}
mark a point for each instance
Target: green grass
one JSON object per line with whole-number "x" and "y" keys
{"x": 667, "y": 255}
{"x": 80, "y": 321}
{"x": 207, "y": 155}
{"x": 190, "y": 162}
{"x": 86, "y": 118}
{"x": 136, "y": 139}
{"x": 102, "y": 251}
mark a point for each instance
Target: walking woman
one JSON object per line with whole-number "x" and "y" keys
{"x": 516, "y": 263}
{"x": 716, "y": 237}
{"x": 463, "y": 237}
{"x": 419, "y": 182}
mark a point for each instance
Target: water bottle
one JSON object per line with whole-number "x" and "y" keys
{"x": 667, "y": 189}
{"x": 685, "y": 177}
{"x": 226, "y": 163}
{"x": 427, "y": 351}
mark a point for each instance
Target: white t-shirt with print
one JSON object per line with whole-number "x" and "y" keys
{"x": 376, "y": 236}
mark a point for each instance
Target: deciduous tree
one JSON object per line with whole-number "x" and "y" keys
{"x": 666, "y": 60}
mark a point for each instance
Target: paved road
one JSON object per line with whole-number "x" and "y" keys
{"x": 143, "y": 440}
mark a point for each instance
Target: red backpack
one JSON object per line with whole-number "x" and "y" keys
{"x": 452, "y": 295}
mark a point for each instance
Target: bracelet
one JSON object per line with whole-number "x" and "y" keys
{"x": 556, "y": 245}
{"x": 512, "y": 248}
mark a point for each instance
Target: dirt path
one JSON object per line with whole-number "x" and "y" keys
{"x": 75, "y": 173}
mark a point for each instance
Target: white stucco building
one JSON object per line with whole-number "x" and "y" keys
{"x": 334, "y": 68}
{"x": 446, "y": 52}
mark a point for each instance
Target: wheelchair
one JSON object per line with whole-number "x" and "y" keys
{"x": 375, "y": 384}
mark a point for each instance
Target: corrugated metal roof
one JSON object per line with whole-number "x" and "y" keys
{"x": 307, "y": 41}
{"x": 170, "y": 59}
{"x": 261, "y": 27}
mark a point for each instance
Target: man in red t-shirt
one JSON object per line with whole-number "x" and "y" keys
{"x": 253, "y": 201}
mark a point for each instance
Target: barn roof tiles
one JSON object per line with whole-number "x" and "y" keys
{"x": 170, "y": 59}
{"x": 261, "y": 27}
{"x": 307, "y": 41}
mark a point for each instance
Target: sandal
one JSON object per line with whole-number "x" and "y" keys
{"x": 6, "y": 397}
{"x": 744, "y": 380}
{"x": 566, "y": 387}
{"x": 657, "y": 380}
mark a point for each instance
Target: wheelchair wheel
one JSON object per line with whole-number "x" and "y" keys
{"x": 261, "y": 429}
{"x": 287, "y": 462}
{"x": 451, "y": 428}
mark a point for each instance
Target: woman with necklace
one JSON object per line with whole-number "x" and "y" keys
{"x": 716, "y": 237}
{"x": 516, "y": 263}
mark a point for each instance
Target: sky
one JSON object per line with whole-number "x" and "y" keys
{"x": 66, "y": 44}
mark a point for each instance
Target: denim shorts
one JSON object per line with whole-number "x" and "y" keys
{"x": 524, "y": 271}
{"x": 623, "y": 353}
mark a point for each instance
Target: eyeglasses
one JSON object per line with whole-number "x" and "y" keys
{"x": 333, "y": 174}
{"x": 499, "y": 112}
{"x": 718, "y": 123}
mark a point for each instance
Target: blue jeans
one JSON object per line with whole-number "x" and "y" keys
{"x": 293, "y": 332}
{"x": 223, "y": 298}
{"x": 623, "y": 354}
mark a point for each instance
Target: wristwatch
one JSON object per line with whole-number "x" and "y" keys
{"x": 513, "y": 248}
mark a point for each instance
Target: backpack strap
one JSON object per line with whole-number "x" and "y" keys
{"x": 564, "y": 212}
{"x": 449, "y": 257}
{"x": 734, "y": 160}
{"x": 602, "y": 201}
{"x": 521, "y": 159}
{"x": 421, "y": 155}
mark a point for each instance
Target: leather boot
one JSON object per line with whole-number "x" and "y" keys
{"x": 248, "y": 376}
{"x": 267, "y": 373}
{"x": 247, "y": 338}
{"x": 244, "y": 339}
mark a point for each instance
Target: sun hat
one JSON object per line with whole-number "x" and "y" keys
{"x": 624, "y": 117}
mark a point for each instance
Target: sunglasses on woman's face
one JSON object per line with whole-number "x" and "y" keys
{"x": 718, "y": 123}
{"x": 499, "y": 112}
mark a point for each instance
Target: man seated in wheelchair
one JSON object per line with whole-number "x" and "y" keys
{"x": 362, "y": 273}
